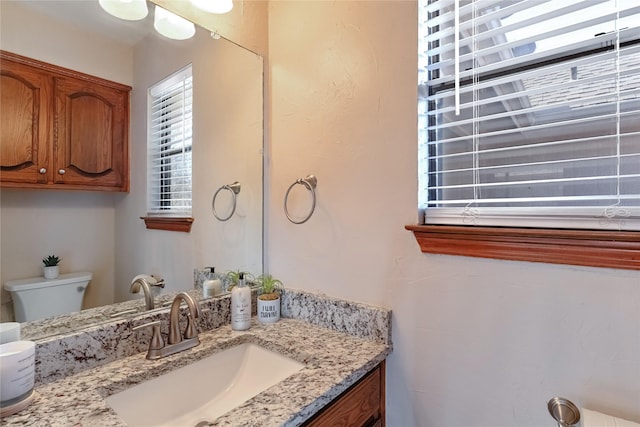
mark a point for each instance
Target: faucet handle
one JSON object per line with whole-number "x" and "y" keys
{"x": 159, "y": 281}
{"x": 191, "y": 331}
{"x": 157, "y": 342}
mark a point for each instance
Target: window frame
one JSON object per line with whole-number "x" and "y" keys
{"x": 590, "y": 248}
{"x": 583, "y": 247}
{"x": 169, "y": 221}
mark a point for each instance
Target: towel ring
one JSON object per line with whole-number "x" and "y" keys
{"x": 564, "y": 411}
{"x": 310, "y": 182}
{"x": 234, "y": 189}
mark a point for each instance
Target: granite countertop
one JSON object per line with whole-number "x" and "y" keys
{"x": 68, "y": 323}
{"x": 333, "y": 362}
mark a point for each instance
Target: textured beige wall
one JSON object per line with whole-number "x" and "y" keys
{"x": 476, "y": 342}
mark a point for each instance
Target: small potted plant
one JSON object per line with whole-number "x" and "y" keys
{"x": 269, "y": 292}
{"x": 51, "y": 270}
{"x": 233, "y": 276}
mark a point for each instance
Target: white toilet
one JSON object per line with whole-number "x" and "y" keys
{"x": 36, "y": 298}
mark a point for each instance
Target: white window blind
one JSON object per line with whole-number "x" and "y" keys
{"x": 548, "y": 128}
{"x": 169, "y": 146}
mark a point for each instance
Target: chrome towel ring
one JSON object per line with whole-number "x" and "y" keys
{"x": 234, "y": 189}
{"x": 310, "y": 182}
{"x": 564, "y": 411}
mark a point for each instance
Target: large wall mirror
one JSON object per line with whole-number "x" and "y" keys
{"x": 103, "y": 232}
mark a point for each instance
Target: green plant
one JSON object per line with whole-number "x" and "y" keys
{"x": 269, "y": 287}
{"x": 233, "y": 276}
{"x": 51, "y": 261}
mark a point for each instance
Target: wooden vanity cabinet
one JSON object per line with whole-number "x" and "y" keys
{"x": 61, "y": 129}
{"x": 25, "y": 123}
{"x": 362, "y": 405}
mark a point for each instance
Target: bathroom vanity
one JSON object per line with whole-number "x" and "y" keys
{"x": 341, "y": 345}
{"x": 361, "y": 405}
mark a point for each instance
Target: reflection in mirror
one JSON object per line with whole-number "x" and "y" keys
{"x": 102, "y": 232}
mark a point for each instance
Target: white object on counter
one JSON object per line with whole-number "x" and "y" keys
{"x": 9, "y": 332}
{"x": 598, "y": 419}
{"x": 211, "y": 287}
{"x": 240, "y": 306}
{"x": 17, "y": 366}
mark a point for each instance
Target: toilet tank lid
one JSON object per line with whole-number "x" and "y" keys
{"x": 40, "y": 282}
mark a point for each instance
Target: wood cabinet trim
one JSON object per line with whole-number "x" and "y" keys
{"x": 182, "y": 224}
{"x": 361, "y": 405}
{"x": 61, "y": 71}
{"x": 592, "y": 248}
{"x": 382, "y": 422}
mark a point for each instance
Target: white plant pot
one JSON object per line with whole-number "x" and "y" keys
{"x": 51, "y": 272}
{"x": 268, "y": 310}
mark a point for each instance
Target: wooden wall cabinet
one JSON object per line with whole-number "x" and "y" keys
{"x": 362, "y": 405}
{"x": 60, "y": 128}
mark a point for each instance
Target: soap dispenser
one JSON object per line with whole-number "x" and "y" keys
{"x": 240, "y": 305}
{"x": 212, "y": 286}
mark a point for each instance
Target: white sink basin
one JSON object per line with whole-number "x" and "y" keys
{"x": 204, "y": 390}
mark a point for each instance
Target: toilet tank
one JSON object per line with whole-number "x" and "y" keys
{"x": 36, "y": 298}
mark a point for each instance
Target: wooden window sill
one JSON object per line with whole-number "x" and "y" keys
{"x": 593, "y": 248}
{"x": 168, "y": 223}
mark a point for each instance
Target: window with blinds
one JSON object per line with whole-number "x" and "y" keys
{"x": 169, "y": 146}
{"x": 529, "y": 113}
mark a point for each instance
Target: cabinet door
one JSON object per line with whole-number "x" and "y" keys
{"x": 360, "y": 406}
{"x": 25, "y": 123}
{"x": 91, "y": 144}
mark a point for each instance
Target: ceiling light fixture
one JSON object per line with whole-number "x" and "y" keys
{"x": 214, "y": 6}
{"x": 131, "y": 10}
{"x": 171, "y": 25}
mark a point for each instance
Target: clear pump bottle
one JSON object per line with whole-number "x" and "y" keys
{"x": 212, "y": 286}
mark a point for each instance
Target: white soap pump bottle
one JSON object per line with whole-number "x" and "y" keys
{"x": 212, "y": 286}
{"x": 240, "y": 305}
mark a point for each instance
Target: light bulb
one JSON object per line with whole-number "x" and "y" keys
{"x": 131, "y": 10}
{"x": 172, "y": 26}
{"x": 213, "y": 6}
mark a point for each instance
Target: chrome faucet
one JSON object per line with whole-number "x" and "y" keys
{"x": 177, "y": 341}
{"x": 145, "y": 282}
